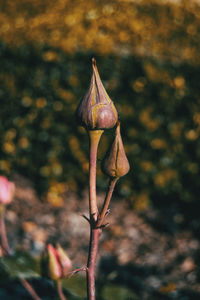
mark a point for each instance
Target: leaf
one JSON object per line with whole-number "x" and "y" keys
{"x": 76, "y": 285}
{"x": 20, "y": 265}
{"x": 112, "y": 292}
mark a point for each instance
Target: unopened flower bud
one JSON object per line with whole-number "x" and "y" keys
{"x": 57, "y": 264}
{"x": 54, "y": 267}
{"x": 7, "y": 189}
{"x": 64, "y": 260}
{"x": 115, "y": 163}
{"x": 96, "y": 110}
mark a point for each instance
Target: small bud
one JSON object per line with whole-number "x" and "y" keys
{"x": 57, "y": 263}
{"x": 7, "y": 189}
{"x": 64, "y": 260}
{"x": 54, "y": 267}
{"x": 115, "y": 163}
{"x": 96, "y": 110}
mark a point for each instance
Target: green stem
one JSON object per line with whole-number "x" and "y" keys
{"x": 106, "y": 203}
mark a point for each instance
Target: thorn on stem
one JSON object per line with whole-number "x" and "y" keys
{"x": 105, "y": 225}
{"x": 108, "y": 212}
{"x": 86, "y": 218}
{"x": 76, "y": 271}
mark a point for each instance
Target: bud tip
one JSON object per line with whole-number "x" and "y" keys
{"x": 94, "y": 62}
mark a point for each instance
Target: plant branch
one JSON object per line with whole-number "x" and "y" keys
{"x": 30, "y": 289}
{"x": 6, "y": 251}
{"x": 3, "y": 233}
{"x": 106, "y": 201}
{"x": 94, "y": 136}
{"x": 93, "y": 249}
{"x": 60, "y": 290}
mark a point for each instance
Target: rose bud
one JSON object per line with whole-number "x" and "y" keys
{"x": 64, "y": 260}
{"x": 7, "y": 189}
{"x": 96, "y": 110}
{"x": 115, "y": 163}
{"x": 54, "y": 267}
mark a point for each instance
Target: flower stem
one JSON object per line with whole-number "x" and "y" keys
{"x": 3, "y": 233}
{"x": 60, "y": 290}
{"x": 30, "y": 289}
{"x": 6, "y": 251}
{"x": 94, "y": 136}
{"x": 93, "y": 249}
{"x": 107, "y": 201}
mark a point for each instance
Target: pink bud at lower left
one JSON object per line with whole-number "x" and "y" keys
{"x": 64, "y": 260}
{"x": 59, "y": 264}
{"x": 54, "y": 268}
{"x": 7, "y": 190}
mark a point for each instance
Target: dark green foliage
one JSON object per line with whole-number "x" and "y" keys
{"x": 158, "y": 104}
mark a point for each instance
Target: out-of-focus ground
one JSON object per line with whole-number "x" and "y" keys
{"x": 140, "y": 251}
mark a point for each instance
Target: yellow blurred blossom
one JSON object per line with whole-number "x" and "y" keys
{"x": 196, "y": 118}
{"x": 55, "y": 192}
{"x": 103, "y": 27}
{"x": 45, "y": 171}
{"x": 73, "y": 80}
{"x": 158, "y": 143}
{"x": 170, "y": 287}
{"x": 164, "y": 177}
{"x": 58, "y": 106}
{"x": 179, "y": 82}
{"x": 23, "y": 142}
{"x": 147, "y": 165}
{"x": 57, "y": 168}
{"x": 176, "y": 129}
{"x": 126, "y": 110}
{"x": 9, "y": 147}
{"x": 65, "y": 95}
{"x": 146, "y": 119}
{"x": 26, "y": 101}
{"x": 51, "y": 56}
{"x": 157, "y": 75}
{"x": 10, "y": 134}
{"x": 141, "y": 201}
{"x": 46, "y": 123}
{"x": 5, "y": 165}
{"x": 32, "y": 115}
{"x": 41, "y": 102}
{"x": 191, "y": 135}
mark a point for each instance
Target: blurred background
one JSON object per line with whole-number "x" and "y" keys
{"x": 148, "y": 58}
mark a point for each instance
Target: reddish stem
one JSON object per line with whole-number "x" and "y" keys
{"x": 94, "y": 136}
{"x": 6, "y": 251}
{"x": 107, "y": 201}
{"x": 30, "y": 289}
{"x": 93, "y": 249}
{"x": 60, "y": 290}
{"x": 3, "y": 234}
